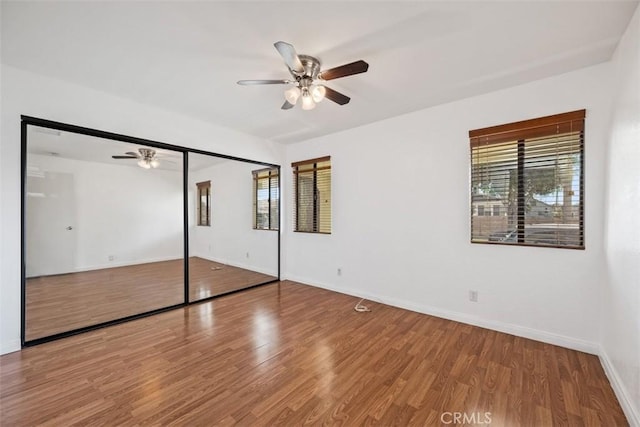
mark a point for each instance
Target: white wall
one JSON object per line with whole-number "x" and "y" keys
{"x": 620, "y": 334}
{"x": 130, "y": 213}
{"x": 231, "y": 235}
{"x": 401, "y": 218}
{"x": 31, "y": 94}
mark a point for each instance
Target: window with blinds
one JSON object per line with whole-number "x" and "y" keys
{"x": 527, "y": 182}
{"x": 266, "y": 199}
{"x": 204, "y": 203}
{"x": 312, "y": 195}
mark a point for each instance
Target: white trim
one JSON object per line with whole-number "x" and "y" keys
{"x": 237, "y": 264}
{"x": 521, "y": 331}
{"x": 10, "y": 346}
{"x": 631, "y": 412}
{"x": 112, "y": 264}
{"x": 169, "y": 258}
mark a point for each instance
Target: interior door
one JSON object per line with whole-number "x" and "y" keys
{"x": 50, "y": 223}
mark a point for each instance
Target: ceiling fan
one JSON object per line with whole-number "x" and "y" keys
{"x": 146, "y": 157}
{"x": 308, "y": 80}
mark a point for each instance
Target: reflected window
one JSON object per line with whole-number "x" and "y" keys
{"x": 266, "y": 198}
{"x": 204, "y": 203}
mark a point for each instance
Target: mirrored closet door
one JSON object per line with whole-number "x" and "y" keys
{"x": 233, "y": 225}
{"x": 103, "y": 230}
{"x": 116, "y": 227}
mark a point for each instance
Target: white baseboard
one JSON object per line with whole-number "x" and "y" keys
{"x": 508, "y": 328}
{"x": 113, "y": 264}
{"x": 630, "y": 411}
{"x": 237, "y": 264}
{"x": 9, "y": 346}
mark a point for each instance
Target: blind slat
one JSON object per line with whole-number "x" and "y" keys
{"x": 312, "y": 195}
{"x": 527, "y": 182}
{"x": 266, "y": 192}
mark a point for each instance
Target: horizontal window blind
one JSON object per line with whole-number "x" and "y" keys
{"x": 527, "y": 182}
{"x": 312, "y": 195}
{"x": 266, "y": 198}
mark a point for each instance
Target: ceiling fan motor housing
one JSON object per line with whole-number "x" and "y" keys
{"x": 147, "y": 153}
{"x": 311, "y": 67}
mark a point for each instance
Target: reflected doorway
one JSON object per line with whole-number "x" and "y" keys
{"x": 51, "y": 221}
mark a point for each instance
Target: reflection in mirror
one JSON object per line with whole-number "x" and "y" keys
{"x": 103, "y": 235}
{"x": 233, "y": 223}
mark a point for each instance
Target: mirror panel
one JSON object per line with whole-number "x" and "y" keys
{"x": 228, "y": 253}
{"x": 103, "y": 236}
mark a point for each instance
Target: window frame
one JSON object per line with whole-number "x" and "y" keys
{"x": 204, "y": 186}
{"x": 519, "y": 134}
{"x": 316, "y": 223}
{"x": 267, "y": 174}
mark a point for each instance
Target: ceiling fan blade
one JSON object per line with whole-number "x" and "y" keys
{"x": 290, "y": 57}
{"x": 124, "y": 157}
{"x": 287, "y": 105}
{"x": 131, "y": 153}
{"x": 336, "y": 97}
{"x": 263, "y": 82}
{"x": 344, "y": 70}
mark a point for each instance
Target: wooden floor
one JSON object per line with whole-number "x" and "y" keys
{"x": 65, "y": 302}
{"x": 289, "y": 354}
{"x": 209, "y": 278}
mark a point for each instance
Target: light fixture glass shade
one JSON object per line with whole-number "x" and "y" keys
{"x": 307, "y": 101}
{"x": 292, "y": 94}
{"x": 318, "y": 92}
{"x": 154, "y": 163}
{"x": 144, "y": 164}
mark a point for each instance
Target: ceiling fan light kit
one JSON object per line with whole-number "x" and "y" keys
{"x": 146, "y": 158}
{"x": 292, "y": 95}
{"x": 318, "y": 92}
{"x": 148, "y": 164}
{"x": 307, "y": 100}
{"x": 308, "y": 82}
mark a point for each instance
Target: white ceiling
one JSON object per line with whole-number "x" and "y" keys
{"x": 187, "y": 56}
{"x": 70, "y": 145}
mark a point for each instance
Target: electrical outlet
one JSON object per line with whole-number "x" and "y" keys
{"x": 111, "y": 257}
{"x": 473, "y": 296}
{"x": 339, "y": 271}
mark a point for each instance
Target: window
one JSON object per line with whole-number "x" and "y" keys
{"x": 534, "y": 169}
{"x": 204, "y": 203}
{"x": 266, "y": 198}
{"x": 480, "y": 210}
{"x": 312, "y": 192}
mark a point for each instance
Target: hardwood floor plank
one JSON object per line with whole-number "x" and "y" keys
{"x": 64, "y": 302}
{"x": 290, "y": 354}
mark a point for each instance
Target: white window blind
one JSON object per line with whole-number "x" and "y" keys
{"x": 312, "y": 195}
{"x": 266, "y": 199}
{"x": 531, "y": 172}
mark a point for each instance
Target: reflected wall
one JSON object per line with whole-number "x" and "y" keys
{"x": 229, "y": 253}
